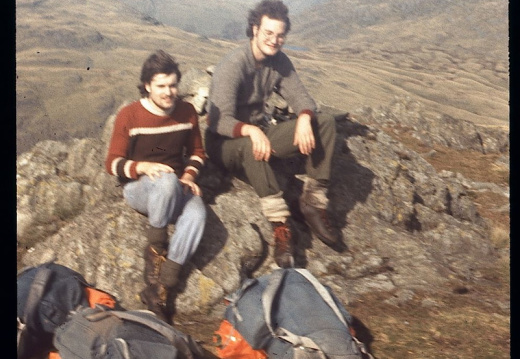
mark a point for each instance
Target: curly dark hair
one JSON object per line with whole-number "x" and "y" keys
{"x": 273, "y": 9}
{"x": 159, "y": 62}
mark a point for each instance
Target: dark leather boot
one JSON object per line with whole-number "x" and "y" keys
{"x": 158, "y": 295}
{"x": 154, "y": 253}
{"x": 318, "y": 221}
{"x": 152, "y": 263}
{"x": 283, "y": 248}
{"x": 154, "y": 296}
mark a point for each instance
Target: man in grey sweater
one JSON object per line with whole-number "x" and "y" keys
{"x": 238, "y": 139}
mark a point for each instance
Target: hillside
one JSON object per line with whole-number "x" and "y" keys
{"x": 452, "y": 56}
{"x": 73, "y": 74}
{"x": 218, "y": 19}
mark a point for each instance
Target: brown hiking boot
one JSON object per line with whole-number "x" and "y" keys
{"x": 283, "y": 254}
{"x": 161, "y": 275}
{"x": 154, "y": 296}
{"x": 318, "y": 221}
{"x": 152, "y": 263}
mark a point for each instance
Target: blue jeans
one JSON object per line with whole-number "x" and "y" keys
{"x": 164, "y": 201}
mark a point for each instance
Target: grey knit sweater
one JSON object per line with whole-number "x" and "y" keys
{"x": 238, "y": 90}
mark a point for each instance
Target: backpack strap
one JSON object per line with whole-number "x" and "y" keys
{"x": 36, "y": 292}
{"x": 275, "y": 280}
{"x": 325, "y": 294}
{"x": 33, "y": 298}
{"x": 362, "y": 348}
{"x": 234, "y": 297}
{"x": 180, "y": 341}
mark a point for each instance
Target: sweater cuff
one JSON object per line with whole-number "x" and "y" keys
{"x": 237, "y": 130}
{"x": 133, "y": 170}
{"x": 192, "y": 171}
{"x": 308, "y": 112}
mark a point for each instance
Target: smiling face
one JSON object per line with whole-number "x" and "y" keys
{"x": 162, "y": 91}
{"x": 268, "y": 38}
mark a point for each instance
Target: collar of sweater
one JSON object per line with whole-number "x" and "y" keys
{"x": 153, "y": 108}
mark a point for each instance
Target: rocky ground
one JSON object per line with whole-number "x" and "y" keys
{"x": 459, "y": 321}
{"x": 458, "y": 317}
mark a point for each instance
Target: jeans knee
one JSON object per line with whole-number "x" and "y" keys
{"x": 167, "y": 185}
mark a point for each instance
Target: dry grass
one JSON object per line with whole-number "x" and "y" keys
{"x": 348, "y": 81}
{"x": 446, "y": 331}
{"x": 469, "y": 322}
{"x": 500, "y": 237}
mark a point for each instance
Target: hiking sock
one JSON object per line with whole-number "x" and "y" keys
{"x": 274, "y": 207}
{"x": 158, "y": 238}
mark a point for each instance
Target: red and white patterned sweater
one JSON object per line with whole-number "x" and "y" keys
{"x": 140, "y": 135}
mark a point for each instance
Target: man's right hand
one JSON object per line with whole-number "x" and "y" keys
{"x": 152, "y": 169}
{"x": 261, "y": 144}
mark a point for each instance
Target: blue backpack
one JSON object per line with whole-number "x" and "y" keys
{"x": 93, "y": 333}
{"x": 289, "y": 314}
{"x": 45, "y": 295}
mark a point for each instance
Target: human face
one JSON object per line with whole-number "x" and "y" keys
{"x": 162, "y": 90}
{"x": 268, "y": 38}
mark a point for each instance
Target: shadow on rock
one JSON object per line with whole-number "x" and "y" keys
{"x": 350, "y": 183}
{"x": 363, "y": 335}
{"x": 213, "y": 240}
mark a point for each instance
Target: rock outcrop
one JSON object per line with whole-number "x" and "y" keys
{"x": 407, "y": 227}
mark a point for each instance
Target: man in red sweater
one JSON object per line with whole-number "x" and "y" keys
{"x": 156, "y": 152}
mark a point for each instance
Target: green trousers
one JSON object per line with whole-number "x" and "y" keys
{"x": 236, "y": 154}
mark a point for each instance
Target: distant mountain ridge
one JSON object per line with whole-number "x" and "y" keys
{"x": 480, "y": 24}
{"x": 219, "y": 19}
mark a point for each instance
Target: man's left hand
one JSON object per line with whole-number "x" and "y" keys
{"x": 303, "y": 135}
{"x": 190, "y": 185}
